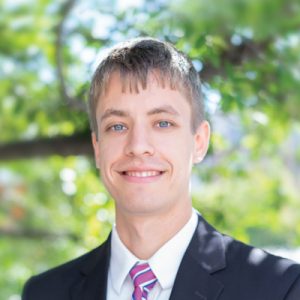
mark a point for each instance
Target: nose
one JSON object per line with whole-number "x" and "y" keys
{"x": 139, "y": 142}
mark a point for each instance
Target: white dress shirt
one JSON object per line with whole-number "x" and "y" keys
{"x": 164, "y": 264}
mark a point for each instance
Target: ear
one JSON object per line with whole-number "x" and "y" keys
{"x": 201, "y": 139}
{"x": 95, "y": 142}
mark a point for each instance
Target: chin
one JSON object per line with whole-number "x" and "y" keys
{"x": 141, "y": 207}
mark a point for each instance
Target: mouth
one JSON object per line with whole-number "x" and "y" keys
{"x": 141, "y": 176}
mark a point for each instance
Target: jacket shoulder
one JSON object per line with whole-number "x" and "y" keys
{"x": 56, "y": 282}
{"x": 246, "y": 272}
{"x": 258, "y": 270}
{"x": 258, "y": 259}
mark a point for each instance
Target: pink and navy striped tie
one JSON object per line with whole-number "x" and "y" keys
{"x": 143, "y": 280}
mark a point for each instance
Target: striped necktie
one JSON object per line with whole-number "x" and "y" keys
{"x": 143, "y": 280}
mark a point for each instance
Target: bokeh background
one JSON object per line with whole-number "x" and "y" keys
{"x": 53, "y": 207}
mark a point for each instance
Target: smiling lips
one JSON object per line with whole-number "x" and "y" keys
{"x": 142, "y": 176}
{"x": 142, "y": 173}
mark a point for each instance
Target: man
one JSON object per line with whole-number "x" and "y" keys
{"x": 148, "y": 130}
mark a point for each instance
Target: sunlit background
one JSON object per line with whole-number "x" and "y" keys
{"x": 53, "y": 207}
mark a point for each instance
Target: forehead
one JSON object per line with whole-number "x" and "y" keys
{"x": 137, "y": 83}
{"x": 125, "y": 95}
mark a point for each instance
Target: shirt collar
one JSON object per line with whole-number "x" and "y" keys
{"x": 121, "y": 261}
{"x": 164, "y": 263}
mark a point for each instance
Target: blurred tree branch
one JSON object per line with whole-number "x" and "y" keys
{"x": 235, "y": 55}
{"x": 71, "y": 101}
{"x": 77, "y": 144}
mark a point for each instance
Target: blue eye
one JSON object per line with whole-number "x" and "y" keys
{"x": 118, "y": 127}
{"x": 164, "y": 124}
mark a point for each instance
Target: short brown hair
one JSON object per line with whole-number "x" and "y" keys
{"x": 135, "y": 60}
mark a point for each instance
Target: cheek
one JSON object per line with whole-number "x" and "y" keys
{"x": 179, "y": 155}
{"x": 180, "y": 146}
{"x": 108, "y": 155}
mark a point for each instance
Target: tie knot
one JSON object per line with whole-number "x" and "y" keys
{"x": 143, "y": 280}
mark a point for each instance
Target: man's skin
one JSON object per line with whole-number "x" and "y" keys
{"x": 145, "y": 150}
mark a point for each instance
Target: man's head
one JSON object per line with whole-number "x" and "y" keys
{"x": 148, "y": 128}
{"x": 135, "y": 60}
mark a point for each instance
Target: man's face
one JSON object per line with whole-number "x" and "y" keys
{"x": 146, "y": 148}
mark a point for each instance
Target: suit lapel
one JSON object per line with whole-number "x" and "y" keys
{"x": 194, "y": 281}
{"x": 204, "y": 256}
{"x": 93, "y": 282}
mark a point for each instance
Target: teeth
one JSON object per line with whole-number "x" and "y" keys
{"x": 142, "y": 174}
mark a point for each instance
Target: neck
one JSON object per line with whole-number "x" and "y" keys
{"x": 144, "y": 235}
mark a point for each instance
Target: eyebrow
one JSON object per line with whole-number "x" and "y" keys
{"x": 165, "y": 109}
{"x": 113, "y": 112}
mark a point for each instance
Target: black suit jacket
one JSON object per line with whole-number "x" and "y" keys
{"x": 214, "y": 267}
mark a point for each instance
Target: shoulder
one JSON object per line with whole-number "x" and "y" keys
{"x": 55, "y": 283}
{"x": 244, "y": 269}
{"x": 258, "y": 259}
{"x": 241, "y": 255}
{"x": 257, "y": 269}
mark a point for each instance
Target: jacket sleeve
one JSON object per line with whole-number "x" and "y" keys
{"x": 294, "y": 292}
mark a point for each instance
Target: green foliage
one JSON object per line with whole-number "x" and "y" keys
{"x": 56, "y": 208}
